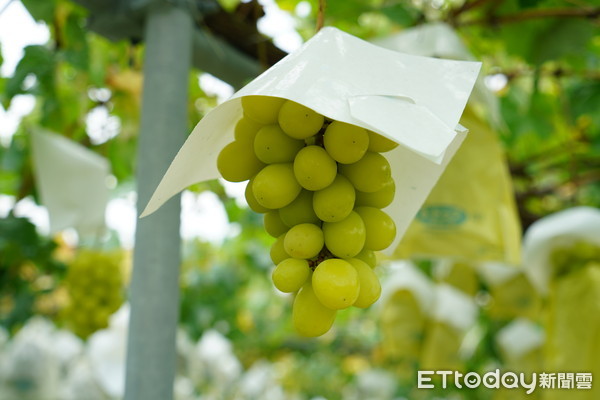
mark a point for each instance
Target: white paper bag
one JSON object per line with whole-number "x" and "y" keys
{"x": 413, "y": 100}
{"x": 519, "y": 337}
{"x": 438, "y": 39}
{"x": 72, "y": 183}
{"x": 556, "y": 230}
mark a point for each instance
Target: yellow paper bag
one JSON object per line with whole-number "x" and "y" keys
{"x": 461, "y": 275}
{"x": 407, "y": 298}
{"x": 512, "y": 292}
{"x": 452, "y": 316}
{"x": 470, "y": 213}
{"x": 402, "y": 329}
{"x": 441, "y": 348}
{"x": 573, "y": 330}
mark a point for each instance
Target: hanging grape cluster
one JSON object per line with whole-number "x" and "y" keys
{"x": 94, "y": 282}
{"x": 577, "y": 255}
{"x": 321, "y": 185}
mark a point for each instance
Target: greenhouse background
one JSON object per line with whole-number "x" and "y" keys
{"x": 498, "y": 272}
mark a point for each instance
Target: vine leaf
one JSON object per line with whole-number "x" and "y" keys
{"x": 40, "y": 10}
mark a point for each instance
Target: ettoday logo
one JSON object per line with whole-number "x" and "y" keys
{"x": 510, "y": 380}
{"x": 492, "y": 380}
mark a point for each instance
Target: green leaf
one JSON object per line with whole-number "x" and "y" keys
{"x": 348, "y": 10}
{"x": 400, "y": 14}
{"x": 52, "y": 114}
{"x": 528, "y": 3}
{"x": 12, "y": 164}
{"x": 529, "y": 120}
{"x": 585, "y": 98}
{"x": 2, "y": 88}
{"x": 41, "y": 10}
{"x": 520, "y": 39}
{"x": 76, "y": 46}
{"x": 37, "y": 60}
{"x": 585, "y": 102}
{"x": 105, "y": 55}
{"x": 13, "y": 158}
{"x": 563, "y": 38}
{"x": 122, "y": 153}
{"x": 541, "y": 108}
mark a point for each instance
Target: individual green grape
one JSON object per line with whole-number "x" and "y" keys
{"x": 370, "y": 288}
{"x": 335, "y": 202}
{"x": 245, "y": 130}
{"x": 379, "y": 143}
{"x": 251, "y": 200}
{"x": 336, "y": 284}
{"x": 237, "y": 162}
{"x": 273, "y": 224}
{"x": 275, "y": 186}
{"x": 345, "y": 238}
{"x": 278, "y": 253}
{"x": 345, "y": 143}
{"x": 314, "y": 168}
{"x": 303, "y": 241}
{"x": 369, "y": 174}
{"x": 367, "y": 256}
{"x": 262, "y": 109}
{"x": 290, "y": 274}
{"x": 272, "y": 146}
{"x": 310, "y": 317}
{"x": 379, "y": 199}
{"x": 300, "y": 210}
{"x": 380, "y": 227}
{"x": 298, "y": 121}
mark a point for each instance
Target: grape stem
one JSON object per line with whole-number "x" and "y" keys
{"x": 318, "y": 137}
{"x": 323, "y": 255}
{"x": 321, "y": 14}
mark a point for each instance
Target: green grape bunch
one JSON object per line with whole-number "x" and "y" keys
{"x": 577, "y": 255}
{"x": 95, "y": 285}
{"x": 321, "y": 185}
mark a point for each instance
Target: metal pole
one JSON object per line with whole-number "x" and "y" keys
{"x": 154, "y": 291}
